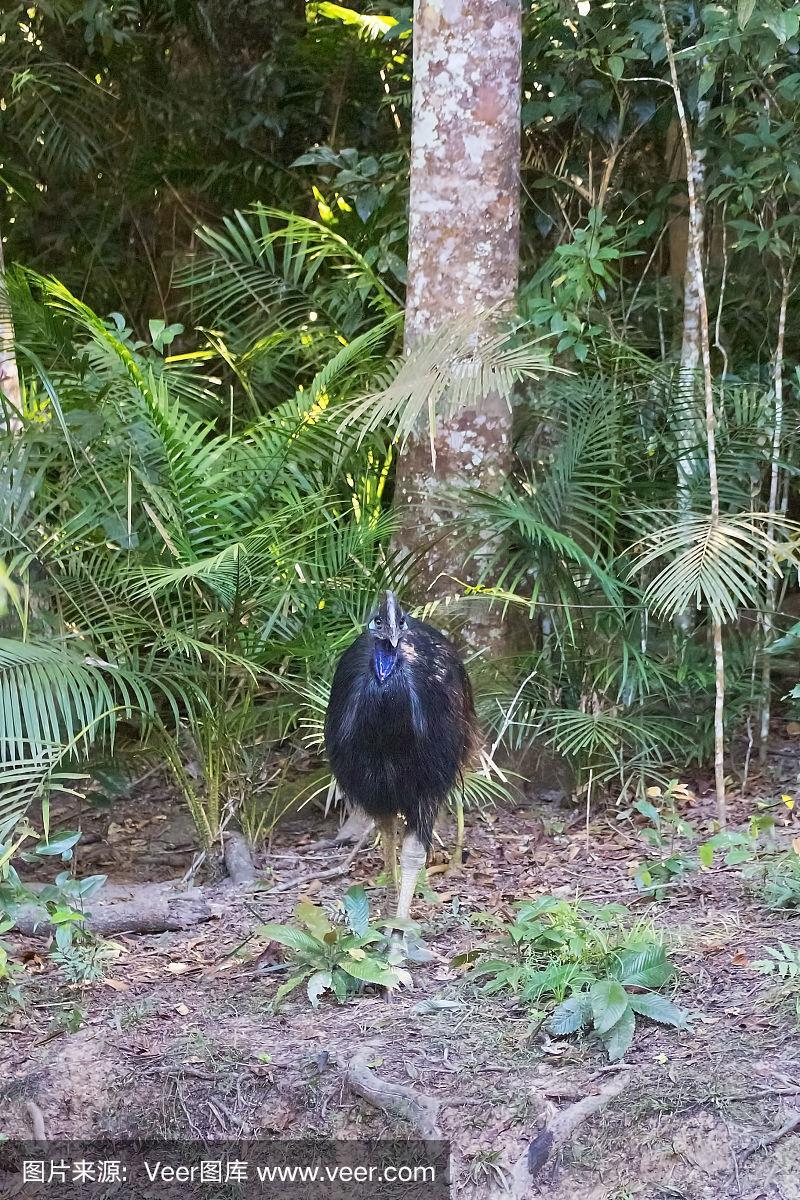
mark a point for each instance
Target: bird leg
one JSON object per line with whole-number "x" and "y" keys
{"x": 388, "y": 832}
{"x": 412, "y": 859}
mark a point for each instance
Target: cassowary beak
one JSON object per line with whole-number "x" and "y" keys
{"x": 390, "y": 611}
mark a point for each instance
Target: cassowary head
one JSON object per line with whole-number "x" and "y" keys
{"x": 386, "y": 627}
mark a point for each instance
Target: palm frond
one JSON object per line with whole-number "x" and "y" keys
{"x": 719, "y": 564}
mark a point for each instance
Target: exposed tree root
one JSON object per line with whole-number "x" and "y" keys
{"x": 790, "y": 1126}
{"x": 559, "y": 1131}
{"x": 37, "y": 1121}
{"x": 238, "y": 859}
{"x": 421, "y": 1110}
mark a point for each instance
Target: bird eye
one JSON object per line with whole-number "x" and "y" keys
{"x": 378, "y": 622}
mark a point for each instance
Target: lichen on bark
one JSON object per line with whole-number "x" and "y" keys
{"x": 463, "y": 256}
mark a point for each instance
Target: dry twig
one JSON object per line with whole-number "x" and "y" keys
{"x": 331, "y": 873}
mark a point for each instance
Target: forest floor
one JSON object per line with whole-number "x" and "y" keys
{"x": 180, "y": 1039}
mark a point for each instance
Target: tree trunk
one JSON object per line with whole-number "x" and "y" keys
{"x": 768, "y": 620}
{"x": 462, "y": 259}
{"x": 686, "y": 419}
{"x": 9, "y": 374}
{"x": 695, "y": 180}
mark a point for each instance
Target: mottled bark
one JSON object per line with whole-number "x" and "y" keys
{"x": 463, "y": 256}
{"x": 688, "y": 430}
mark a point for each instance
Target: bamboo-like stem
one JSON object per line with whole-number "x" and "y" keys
{"x": 774, "y": 482}
{"x": 457, "y": 857}
{"x": 695, "y": 232}
{"x": 9, "y": 371}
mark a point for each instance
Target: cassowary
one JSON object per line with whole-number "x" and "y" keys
{"x": 399, "y": 729}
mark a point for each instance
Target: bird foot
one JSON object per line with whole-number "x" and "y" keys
{"x": 407, "y": 946}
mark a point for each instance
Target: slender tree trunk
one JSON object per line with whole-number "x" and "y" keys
{"x": 687, "y": 425}
{"x": 9, "y": 373}
{"x": 695, "y": 255}
{"x": 768, "y": 620}
{"x": 462, "y": 259}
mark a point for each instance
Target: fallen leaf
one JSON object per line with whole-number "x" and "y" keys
{"x": 178, "y": 968}
{"x": 792, "y": 729}
{"x": 117, "y": 985}
{"x": 182, "y": 1010}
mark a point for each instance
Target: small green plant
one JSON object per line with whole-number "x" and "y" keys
{"x": 11, "y": 975}
{"x": 779, "y": 881}
{"x": 677, "y": 845}
{"x": 666, "y": 826}
{"x": 340, "y": 958}
{"x": 77, "y": 951}
{"x": 782, "y": 966}
{"x": 783, "y": 963}
{"x": 610, "y": 1006}
{"x": 578, "y": 964}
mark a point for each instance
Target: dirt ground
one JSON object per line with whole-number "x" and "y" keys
{"x": 179, "y": 1038}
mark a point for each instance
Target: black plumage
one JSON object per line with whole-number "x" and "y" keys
{"x": 400, "y": 724}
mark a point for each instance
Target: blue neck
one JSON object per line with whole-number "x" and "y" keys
{"x": 385, "y": 660}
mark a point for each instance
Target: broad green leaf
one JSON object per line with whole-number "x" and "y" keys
{"x": 313, "y": 917}
{"x": 739, "y": 854}
{"x": 89, "y": 886}
{"x": 318, "y": 983}
{"x": 59, "y": 842}
{"x": 648, "y": 810}
{"x": 618, "y": 1038}
{"x": 658, "y": 1008}
{"x": 294, "y": 939}
{"x": 570, "y": 1016}
{"x": 643, "y": 968}
{"x": 341, "y": 984}
{"x": 288, "y": 986}
{"x": 706, "y": 854}
{"x": 745, "y": 11}
{"x": 372, "y": 972}
{"x": 707, "y": 75}
{"x": 609, "y": 1001}
{"x": 356, "y": 905}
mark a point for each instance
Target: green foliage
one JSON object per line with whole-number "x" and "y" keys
{"x": 12, "y": 994}
{"x": 340, "y": 958}
{"x": 178, "y": 564}
{"x": 680, "y": 848}
{"x": 783, "y": 963}
{"x": 782, "y": 967}
{"x": 778, "y": 881}
{"x": 585, "y": 960}
{"x": 610, "y": 1009}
